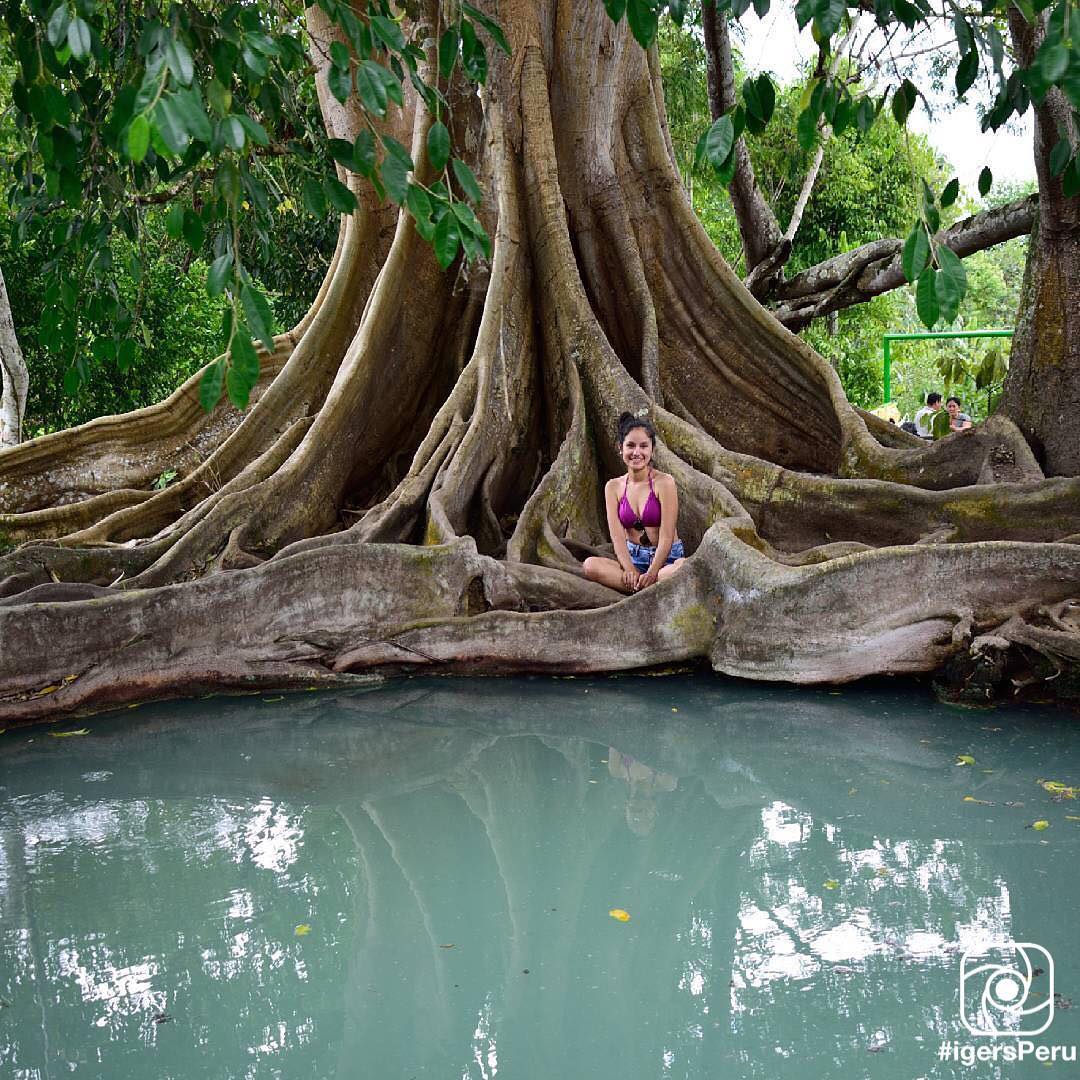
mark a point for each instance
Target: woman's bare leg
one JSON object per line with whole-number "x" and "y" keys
{"x": 606, "y": 571}
{"x": 667, "y": 571}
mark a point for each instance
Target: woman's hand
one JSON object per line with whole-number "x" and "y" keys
{"x": 645, "y": 580}
{"x": 630, "y": 580}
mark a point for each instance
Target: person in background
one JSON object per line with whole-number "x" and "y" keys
{"x": 958, "y": 420}
{"x": 924, "y": 418}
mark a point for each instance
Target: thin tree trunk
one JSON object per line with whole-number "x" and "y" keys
{"x": 16, "y": 379}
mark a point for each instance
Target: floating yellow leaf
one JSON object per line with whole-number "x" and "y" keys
{"x": 1068, "y": 817}
{"x": 68, "y": 734}
{"x": 302, "y": 930}
{"x": 882, "y": 871}
{"x": 831, "y": 884}
{"x": 1057, "y": 789}
{"x": 674, "y": 710}
{"x": 450, "y": 946}
{"x": 618, "y": 913}
{"x": 853, "y": 790}
{"x": 981, "y": 802}
{"x": 964, "y": 759}
{"x": 279, "y": 698}
{"x": 1038, "y": 826}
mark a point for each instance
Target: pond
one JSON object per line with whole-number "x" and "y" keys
{"x": 537, "y": 878}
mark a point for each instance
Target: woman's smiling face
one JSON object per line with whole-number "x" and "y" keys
{"x": 637, "y": 449}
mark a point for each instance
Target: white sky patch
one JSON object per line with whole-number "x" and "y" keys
{"x": 774, "y": 44}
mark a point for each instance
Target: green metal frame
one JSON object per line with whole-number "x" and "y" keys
{"x": 888, "y": 339}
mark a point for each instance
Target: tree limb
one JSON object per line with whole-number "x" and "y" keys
{"x": 875, "y": 268}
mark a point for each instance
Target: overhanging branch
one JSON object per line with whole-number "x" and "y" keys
{"x": 875, "y": 268}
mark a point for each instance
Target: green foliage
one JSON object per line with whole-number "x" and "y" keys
{"x": 830, "y": 97}
{"x": 119, "y": 106}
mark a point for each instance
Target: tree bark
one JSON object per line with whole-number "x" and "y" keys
{"x": 418, "y": 484}
{"x": 1042, "y": 388}
{"x": 15, "y": 377}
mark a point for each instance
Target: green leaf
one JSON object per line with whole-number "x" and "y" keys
{"x": 904, "y": 101}
{"x": 370, "y": 87}
{"x": 58, "y": 24}
{"x": 170, "y": 125}
{"x": 615, "y": 9}
{"x": 396, "y": 150}
{"x": 338, "y": 195}
{"x": 193, "y": 230}
{"x": 448, "y": 51}
{"x": 926, "y": 303}
{"x": 951, "y": 193}
{"x": 1060, "y": 157}
{"x": 211, "y": 384}
{"x": 718, "y": 141}
{"x": 232, "y": 132}
{"x": 447, "y": 240}
{"x": 966, "y": 72}
{"x": 642, "y": 17}
{"x": 138, "y": 138}
{"x": 191, "y": 109}
{"x": 174, "y": 221}
{"x": 314, "y": 197}
{"x": 218, "y": 276}
{"x": 78, "y": 38}
{"x": 395, "y": 176}
{"x": 389, "y": 32}
{"x": 220, "y": 97}
{"x": 72, "y": 380}
{"x": 255, "y": 131}
{"x": 951, "y": 284}
{"x": 1053, "y": 60}
{"x": 339, "y": 79}
{"x": 916, "y": 254}
{"x": 827, "y": 17}
{"x": 178, "y": 57}
{"x": 1070, "y": 180}
{"x": 419, "y": 205}
{"x": 339, "y": 55}
{"x": 438, "y": 146}
{"x": 258, "y": 315}
{"x": 473, "y": 54}
{"x": 364, "y": 153}
{"x": 806, "y": 128}
{"x": 467, "y": 180}
{"x": 244, "y": 357}
{"x": 491, "y": 26}
{"x": 986, "y": 180}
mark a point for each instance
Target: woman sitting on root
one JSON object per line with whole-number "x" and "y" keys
{"x": 641, "y": 512}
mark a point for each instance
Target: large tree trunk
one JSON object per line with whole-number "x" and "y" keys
{"x": 1042, "y": 389}
{"x": 418, "y": 484}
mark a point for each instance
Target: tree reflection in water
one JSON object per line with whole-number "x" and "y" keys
{"x": 800, "y": 871}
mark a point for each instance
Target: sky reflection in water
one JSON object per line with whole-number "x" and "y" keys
{"x": 416, "y": 881}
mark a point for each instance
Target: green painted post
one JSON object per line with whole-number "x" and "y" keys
{"x": 888, "y": 339}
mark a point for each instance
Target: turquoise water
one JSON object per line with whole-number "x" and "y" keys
{"x": 416, "y": 881}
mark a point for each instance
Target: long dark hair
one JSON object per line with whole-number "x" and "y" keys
{"x": 628, "y": 421}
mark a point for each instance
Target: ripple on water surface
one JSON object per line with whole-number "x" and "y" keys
{"x": 602, "y": 878}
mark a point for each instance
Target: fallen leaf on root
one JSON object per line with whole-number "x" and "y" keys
{"x": 68, "y": 734}
{"x": 618, "y": 913}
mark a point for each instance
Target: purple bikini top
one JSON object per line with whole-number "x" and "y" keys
{"x": 650, "y": 512}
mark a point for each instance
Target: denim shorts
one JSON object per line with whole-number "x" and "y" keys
{"x": 642, "y": 556}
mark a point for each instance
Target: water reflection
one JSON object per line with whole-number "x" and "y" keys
{"x": 416, "y": 882}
